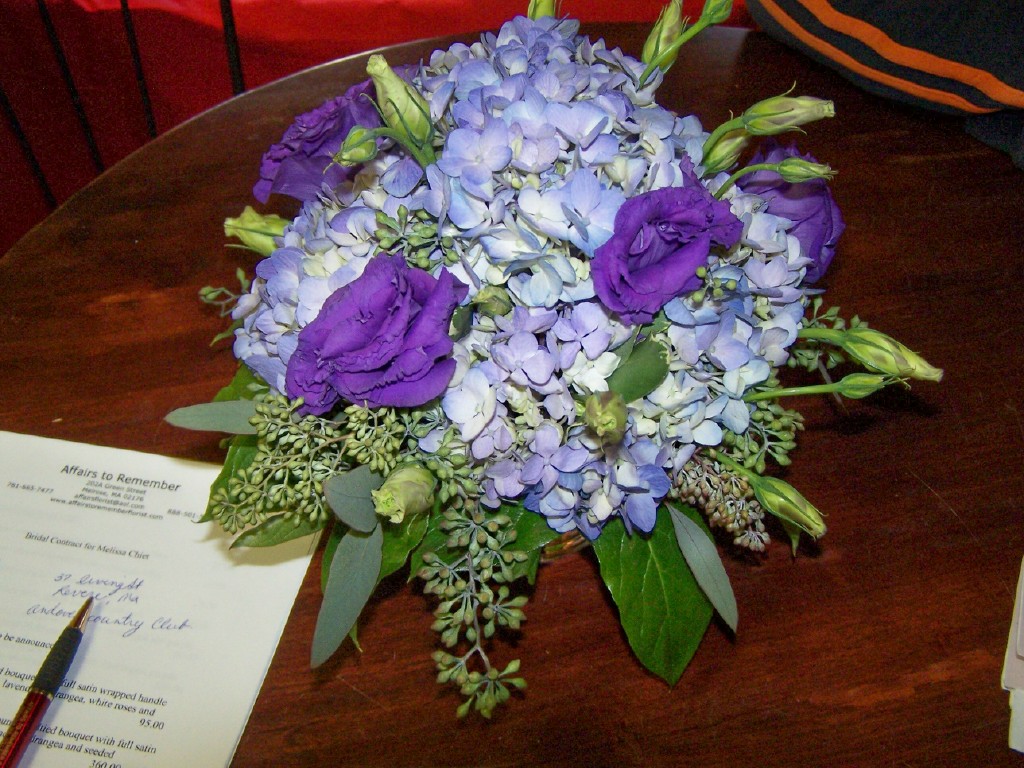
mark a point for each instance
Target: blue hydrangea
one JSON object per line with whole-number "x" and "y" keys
{"x": 541, "y": 136}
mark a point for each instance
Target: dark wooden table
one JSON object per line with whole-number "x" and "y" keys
{"x": 881, "y": 647}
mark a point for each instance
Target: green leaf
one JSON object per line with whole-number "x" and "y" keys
{"x": 337, "y": 531}
{"x": 624, "y": 350}
{"x": 399, "y": 540}
{"x": 230, "y": 416}
{"x": 241, "y": 452}
{"x": 245, "y": 385}
{"x": 434, "y": 540}
{"x": 351, "y": 581}
{"x": 277, "y": 530}
{"x": 532, "y": 529}
{"x": 241, "y": 448}
{"x": 661, "y": 607}
{"x": 462, "y": 322}
{"x": 532, "y": 533}
{"x": 642, "y": 372}
{"x": 701, "y": 555}
{"x": 348, "y": 495}
{"x": 227, "y": 333}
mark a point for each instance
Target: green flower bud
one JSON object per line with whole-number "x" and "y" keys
{"x": 785, "y": 502}
{"x": 360, "y": 146}
{"x": 858, "y": 385}
{"x": 256, "y": 230}
{"x": 605, "y": 414}
{"x": 492, "y": 301}
{"x": 716, "y": 11}
{"x": 784, "y": 113}
{"x": 538, "y": 9}
{"x": 796, "y": 170}
{"x": 408, "y": 490}
{"x": 879, "y": 352}
{"x": 402, "y": 107}
{"x": 724, "y": 152}
{"x": 666, "y": 31}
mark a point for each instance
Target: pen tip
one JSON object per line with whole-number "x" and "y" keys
{"x": 82, "y": 616}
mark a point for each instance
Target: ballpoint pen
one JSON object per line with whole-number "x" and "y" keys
{"x": 45, "y": 685}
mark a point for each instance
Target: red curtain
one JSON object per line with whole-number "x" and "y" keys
{"x": 184, "y": 60}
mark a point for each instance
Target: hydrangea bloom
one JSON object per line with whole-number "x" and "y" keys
{"x": 561, "y": 187}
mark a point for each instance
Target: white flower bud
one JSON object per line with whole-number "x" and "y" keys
{"x": 256, "y": 230}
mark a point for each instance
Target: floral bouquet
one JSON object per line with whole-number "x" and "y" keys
{"x": 524, "y": 308}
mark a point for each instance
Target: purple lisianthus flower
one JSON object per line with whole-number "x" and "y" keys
{"x": 817, "y": 223}
{"x": 380, "y": 340}
{"x": 300, "y": 163}
{"x": 660, "y": 240}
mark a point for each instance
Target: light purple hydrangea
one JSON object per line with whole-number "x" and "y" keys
{"x": 561, "y": 185}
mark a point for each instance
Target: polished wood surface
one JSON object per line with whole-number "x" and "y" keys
{"x": 882, "y": 646}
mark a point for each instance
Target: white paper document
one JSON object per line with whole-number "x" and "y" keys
{"x": 1013, "y": 668}
{"x": 182, "y": 629}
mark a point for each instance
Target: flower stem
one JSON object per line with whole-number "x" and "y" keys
{"x": 828, "y": 335}
{"x": 720, "y": 131}
{"x": 742, "y": 172}
{"x": 813, "y": 389}
{"x": 684, "y": 37}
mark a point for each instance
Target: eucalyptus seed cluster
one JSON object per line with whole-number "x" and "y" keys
{"x": 470, "y": 577}
{"x": 375, "y": 436}
{"x": 457, "y": 478}
{"x": 727, "y": 500}
{"x": 414, "y": 236}
{"x": 294, "y": 456}
{"x": 770, "y": 433}
{"x": 714, "y": 288}
{"x": 809, "y": 354}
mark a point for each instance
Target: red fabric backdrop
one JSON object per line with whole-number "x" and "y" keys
{"x": 184, "y": 60}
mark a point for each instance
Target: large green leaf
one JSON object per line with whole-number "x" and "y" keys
{"x": 661, "y": 607}
{"x": 434, "y": 540}
{"x": 351, "y": 581}
{"x": 231, "y": 416}
{"x": 462, "y": 322}
{"x": 348, "y": 495}
{"x": 276, "y": 530}
{"x": 532, "y": 533}
{"x": 701, "y": 555}
{"x": 338, "y": 530}
{"x": 245, "y": 385}
{"x": 399, "y": 540}
{"x": 241, "y": 448}
{"x": 640, "y": 373}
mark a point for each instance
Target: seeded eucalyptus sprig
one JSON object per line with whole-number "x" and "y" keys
{"x": 770, "y": 434}
{"x": 294, "y": 456}
{"x": 813, "y": 356}
{"x": 375, "y": 436}
{"x": 470, "y": 575}
{"x": 414, "y": 236}
{"x": 727, "y": 499}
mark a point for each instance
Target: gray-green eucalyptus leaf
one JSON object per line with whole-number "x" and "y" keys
{"x": 350, "y": 583}
{"x": 231, "y": 416}
{"x": 348, "y": 495}
{"x": 701, "y": 555}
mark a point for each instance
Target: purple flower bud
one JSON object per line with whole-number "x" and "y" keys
{"x": 303, "y": 161}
